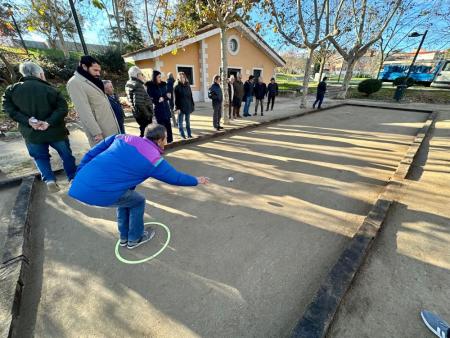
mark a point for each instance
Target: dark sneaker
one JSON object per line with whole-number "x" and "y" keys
{"x": 262, "y": 114}
{"x": 435, "y": 324}
{"x": 220, "y": 128}
{"x": 52, "y": 186}
{"x": 123, "y": 242}
{"x": 147, "y": 235}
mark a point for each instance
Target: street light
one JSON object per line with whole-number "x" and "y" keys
{"x": 10, "y": 12}
{"x": 77, "y": 23}
{"x": 400, "y": 91}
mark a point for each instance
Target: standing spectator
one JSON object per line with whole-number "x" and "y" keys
{"x": 115, "y": 104}
{"x": 40, "y": 111}
{"x": 272, "y": 91}
{"x": 260, "y": 93}
{"x": 184, "y": 103}
{"x": 238, "y": 95}
{"x": 170, "y": 87}
{"x": 215, "y": 94}
{"x": 321, "y": 90}
{"x": 230, "y": 82}
{"x": 248, "y": 94}
{"x": 141, "y": 104}
{"x": 91, "y": 103}
{"x": 157, "y": 89}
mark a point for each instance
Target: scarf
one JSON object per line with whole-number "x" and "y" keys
{"x": 91, "y": 78}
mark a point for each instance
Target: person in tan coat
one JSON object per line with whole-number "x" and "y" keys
{"x": 87, "y": 92}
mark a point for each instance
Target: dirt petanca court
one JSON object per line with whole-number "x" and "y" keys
{"x": 245, "y": 258}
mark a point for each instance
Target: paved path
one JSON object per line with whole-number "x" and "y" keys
{"x": 245, "y": 257}
{"x": 14, "y": 159}
{"x": 409, "y": 267}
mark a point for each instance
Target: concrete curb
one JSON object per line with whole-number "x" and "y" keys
{"x": 15, "y": 258}
{"x": 320, "y": 312}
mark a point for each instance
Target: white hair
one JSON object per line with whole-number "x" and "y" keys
{"x": 134, "y": 71}
{"x": 30, "y": 69}
{"x": 105, "y": 82}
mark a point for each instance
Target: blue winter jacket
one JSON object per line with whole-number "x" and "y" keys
{"x": 119, "y": 163}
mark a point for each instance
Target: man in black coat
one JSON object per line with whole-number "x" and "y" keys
{"x": 272, "y": 91}
{"x": 321, "y": 90}
{"x": 260, "y": 92}
{"x": 216, "y": 95}
{"x": 115, "y": 104}
{"x": 248, "y": 94}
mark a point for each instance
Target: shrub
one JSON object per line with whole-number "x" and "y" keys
{"x": 111, "y": 60}
{"x": 369, "y": 86}
{"x": 399, "y": 81}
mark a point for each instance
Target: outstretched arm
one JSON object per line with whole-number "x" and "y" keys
{"x": 166, "y": 173}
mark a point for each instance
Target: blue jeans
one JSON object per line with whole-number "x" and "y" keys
{"x": 248, "y": 102}
{"x": 130, "y": 215}
{"x": 39, "y": 152}
{"x": 188, "y": 124}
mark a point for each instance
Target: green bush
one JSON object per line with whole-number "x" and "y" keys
{"x": 399, "y": 81}
{"x": 111, "y": 60}
{"x": 369, "y": 86}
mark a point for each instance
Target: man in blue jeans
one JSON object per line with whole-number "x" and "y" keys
{"x": 40, "y": 111}
{"x": 248, "y": 94}
{"x": 109, "y": 173}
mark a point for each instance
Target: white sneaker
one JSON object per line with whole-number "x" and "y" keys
{"x": 52, "y": 186}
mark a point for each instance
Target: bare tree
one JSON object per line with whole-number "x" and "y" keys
{"x": 368, "y": 21}
{"x": 304, "y": 25}
{"x": 193, "y": 14}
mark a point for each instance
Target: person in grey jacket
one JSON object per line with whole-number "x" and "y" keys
{"x": 138, "y": 98}
{"x": 216, "y": 95}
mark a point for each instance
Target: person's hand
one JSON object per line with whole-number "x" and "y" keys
{"x": 161, "y": 99}
{"x": 202, "y": 180}
{"x": 34, "y": 123}
{"x": 42, "y": 125}
{"x": 98, "y": 138}
{"x": 169, "y": 95}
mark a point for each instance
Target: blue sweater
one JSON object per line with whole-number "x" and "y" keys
{"x": 119, "y": 163}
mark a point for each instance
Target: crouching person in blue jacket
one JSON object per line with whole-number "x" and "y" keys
{"x": 110, "y": 171}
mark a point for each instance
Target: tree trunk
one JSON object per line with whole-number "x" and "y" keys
{"x": 348, "y": 76}
{"x": 9, "y": 67}
{"x": 117, "y": 18}
{"x": 308, "y": 63}
{"x": 322, "y": 66}
{"x": 59, "y": 32}
{"x": 62, "y": 42}
{"x": 224, "y": 73}
{"x": 381, "y": 65}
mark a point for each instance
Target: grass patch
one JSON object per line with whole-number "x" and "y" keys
{"x": 412, "y": 95}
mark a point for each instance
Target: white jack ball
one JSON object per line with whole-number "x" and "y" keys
{"x": 230, "y": 179}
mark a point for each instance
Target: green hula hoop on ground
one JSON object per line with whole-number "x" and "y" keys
{"x": 126, "y": 261}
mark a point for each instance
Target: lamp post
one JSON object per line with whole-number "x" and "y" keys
{"x": 400, "y": 91}
{"x": 10, "y": 12}
{"x": 77, "y": 23}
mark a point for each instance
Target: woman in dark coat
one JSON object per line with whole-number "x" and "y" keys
{"x": 184, "y": 103}
{"x": 170, "y": 86}
{"x": 157, "y": 90}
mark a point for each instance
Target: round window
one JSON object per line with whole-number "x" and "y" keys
{"x": 233, "y": 45}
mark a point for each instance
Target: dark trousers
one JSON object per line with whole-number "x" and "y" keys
{"x": 217, "y": 108}
{"x": 269, "y": 99}
{"x": 167, "y": 123}
{"x": 143, "y": 122}
{"x": 259, "y": 102}
{"x": 319, "y": 99}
